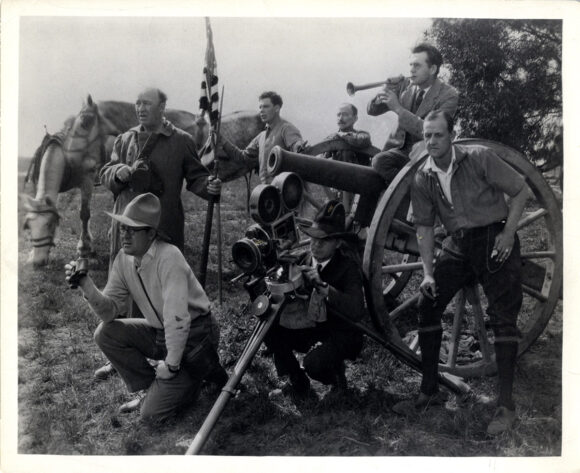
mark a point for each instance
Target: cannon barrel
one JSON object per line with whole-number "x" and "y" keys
{"x": 327, "y": 172}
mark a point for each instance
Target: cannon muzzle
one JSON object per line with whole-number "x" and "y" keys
{"x": 327, "y": 172}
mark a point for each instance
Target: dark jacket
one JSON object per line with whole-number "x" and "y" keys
{"x": 344, "y": 276}
{"x": 175, "y": 159}
{"x": 439, "y": 97}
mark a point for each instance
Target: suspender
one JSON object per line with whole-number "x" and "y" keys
{"x": 148, "y": 298}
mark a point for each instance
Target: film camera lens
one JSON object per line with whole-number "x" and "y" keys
{"x": 291, "y": 189}
{"x": 265, "y": 204}
{"x": 251, "y": 252}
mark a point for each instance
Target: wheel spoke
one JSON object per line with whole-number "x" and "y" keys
{"x": 473, "y": 297}
{"x": 538, "y": 255}
{"x": 404, "y": 306}
{"x": 402, "y": 227}
{"x": 397, "y": 268}
{"x": 531, "y": 218}
{"x": 532, "y": 292}
{"x": 456, "y": 330}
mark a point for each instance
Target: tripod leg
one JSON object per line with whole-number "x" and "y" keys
{"x": 228, "y": 390}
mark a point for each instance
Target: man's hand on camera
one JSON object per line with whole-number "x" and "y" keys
{"x": 312, "y": 278}
{"x": 214, "y": 185}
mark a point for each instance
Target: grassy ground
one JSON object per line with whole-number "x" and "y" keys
{"x": 63, "y": 410}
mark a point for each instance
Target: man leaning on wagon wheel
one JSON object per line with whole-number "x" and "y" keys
{"x": 465, "y": 188}
{"x": 411, "y": 99}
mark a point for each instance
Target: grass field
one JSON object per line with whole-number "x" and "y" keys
{"x": 63, "y": 410}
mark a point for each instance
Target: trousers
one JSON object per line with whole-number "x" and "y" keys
{"x": 466, "y": 260}
{"x": 321, "y": 362}
{"x": 128, "y": 343}
{"x": 389, "y": 163}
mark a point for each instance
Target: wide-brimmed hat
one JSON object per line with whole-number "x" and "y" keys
{"x": 328, "y": 223}
{"x": 143, "y": 211}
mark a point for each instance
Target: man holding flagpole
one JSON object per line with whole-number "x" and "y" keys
{"x": 208, "y": 103}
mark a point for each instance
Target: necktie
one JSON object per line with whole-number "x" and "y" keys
{"x": 419, "y": 99}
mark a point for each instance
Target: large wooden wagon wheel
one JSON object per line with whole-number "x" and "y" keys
{"x": 467, "y": 340}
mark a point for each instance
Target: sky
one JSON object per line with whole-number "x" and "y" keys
{"x": 308, "y": 61}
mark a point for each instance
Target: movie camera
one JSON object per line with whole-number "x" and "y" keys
{"x": 271, "y": 251}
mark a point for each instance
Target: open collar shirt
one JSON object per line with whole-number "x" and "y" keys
{"x": 281, "y": 133}
{"x": 480, "y": 180}
{"x": 443, "y": 176}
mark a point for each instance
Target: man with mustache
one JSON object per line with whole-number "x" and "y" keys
{"x": 411, "y": 99}
{"x": 278, "y": 132}
{"x": 347, "y": 116}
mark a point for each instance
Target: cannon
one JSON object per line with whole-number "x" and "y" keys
{"x": 392, "y": 268}
{"x": 393, "y": 271}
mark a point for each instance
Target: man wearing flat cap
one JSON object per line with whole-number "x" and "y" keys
{"x": 333, "y": 280}
{"x": 177, "y": 327}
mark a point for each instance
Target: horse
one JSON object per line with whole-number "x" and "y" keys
{"x": 73, "y": 157}
{"x": 64, "y": 161}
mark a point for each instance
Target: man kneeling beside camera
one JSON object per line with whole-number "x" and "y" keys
{"x": 333, "y": 282}
{"x": 178, "y": 327}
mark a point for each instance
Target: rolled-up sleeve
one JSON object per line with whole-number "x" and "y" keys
{"x": 500, "y": 174}
{"x": 248, "y": 155}
{"x": 292, "y": 137}
{"x": 423, "y": 205}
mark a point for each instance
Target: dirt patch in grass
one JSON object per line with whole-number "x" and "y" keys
{"x": 63, "y": 410}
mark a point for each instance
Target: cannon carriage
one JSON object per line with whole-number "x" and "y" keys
{"x": 393, "y": 270}
{"x": 391, "y": 265}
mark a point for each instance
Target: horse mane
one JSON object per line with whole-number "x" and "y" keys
{"x": 33, "y": 172}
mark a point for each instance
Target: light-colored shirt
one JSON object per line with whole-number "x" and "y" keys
{"x": 280, "y": 133}
{"x": 480, "y": 180}
{"x": 443, "y": 176}
{"x": 168, "y": 294}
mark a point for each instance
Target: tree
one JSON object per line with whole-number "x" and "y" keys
{"x": 509, "y": 77}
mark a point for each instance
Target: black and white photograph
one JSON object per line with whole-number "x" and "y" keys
{"x": 331, "y": 234}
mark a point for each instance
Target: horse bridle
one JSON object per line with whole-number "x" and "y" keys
{"x": 89, "y": 143}
{"x": 47, "y": 240}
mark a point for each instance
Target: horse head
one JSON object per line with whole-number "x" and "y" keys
{"x": 84, "y": 140}
{"x": 41, "y": 221}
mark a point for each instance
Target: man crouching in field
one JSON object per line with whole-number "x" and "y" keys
{"x": 178, "y": 328}
{"x": 334, "y": 277}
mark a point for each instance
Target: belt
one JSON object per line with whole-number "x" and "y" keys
{"x": 474, "y": 231}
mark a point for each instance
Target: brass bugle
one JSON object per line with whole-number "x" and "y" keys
{"x": 392, "y": 83}
{"x": 351, "y": 89}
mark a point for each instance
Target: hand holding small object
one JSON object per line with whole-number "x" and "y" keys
{"x": 75, "y": 271}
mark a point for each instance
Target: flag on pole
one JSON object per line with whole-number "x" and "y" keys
{"x": 209, "y": 98}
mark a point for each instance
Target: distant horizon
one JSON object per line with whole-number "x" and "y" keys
{"x": 307, "y": 60}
